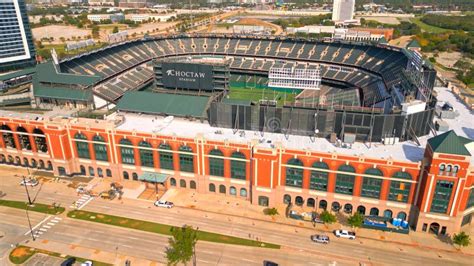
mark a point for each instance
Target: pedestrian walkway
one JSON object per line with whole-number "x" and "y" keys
{"x": 46, "y": 226}
{"x": 81, "y": 202}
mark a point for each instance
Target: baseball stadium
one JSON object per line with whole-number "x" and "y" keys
{"x": 345, "y": 126}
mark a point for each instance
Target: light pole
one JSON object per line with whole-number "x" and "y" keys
{"x": 27, "y": 193}
{"x": 29, "y": 223}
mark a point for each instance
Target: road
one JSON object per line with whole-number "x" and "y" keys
{"x": 295, "y": 241}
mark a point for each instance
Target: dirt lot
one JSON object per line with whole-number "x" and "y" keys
{"x": 58, "y": 31}
{"x": 447, "y": 59}
{"x": 401, "y": 42}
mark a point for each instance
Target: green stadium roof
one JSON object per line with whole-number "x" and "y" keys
{"x": 450, "y": 143}
{"x": 164, "y": 103}
{"x": 62, "y": 93}
{"x": 24, "y": 72}
{"x": 413, "y": 44}
{"x": 47, "y": 73}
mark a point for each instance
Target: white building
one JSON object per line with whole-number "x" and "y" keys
{"x": 343, "y": 10}
{"x": 101, "y": 2}
{"x": 155, "y": 17}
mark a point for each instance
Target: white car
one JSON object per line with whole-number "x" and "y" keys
{"x": 87, "y": 263}
{"x": 164, "y": 204}
{"x": 345, "y": 234}
{"x": 29, "y": 182}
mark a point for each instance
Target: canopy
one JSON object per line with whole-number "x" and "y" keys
{"x": 153, "y": 177}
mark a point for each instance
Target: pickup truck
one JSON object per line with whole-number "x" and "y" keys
{"x": 345, "y": 234}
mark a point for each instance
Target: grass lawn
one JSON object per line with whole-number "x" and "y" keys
{"x": 256, "y": 94}
{"x": 37, "y": 207}
{"x": 163, "y": 228}
{"x": 21, "y": 254}
{"x": 426, "y": 27}
{"x": 61, "y": 50}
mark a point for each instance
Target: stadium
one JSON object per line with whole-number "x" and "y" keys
{"x": 319, "y": 124}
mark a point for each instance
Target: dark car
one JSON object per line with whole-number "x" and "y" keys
{"x": 323, "y": 239}
{"x": 269, "y": 263}
{"x": 69, "y": 261}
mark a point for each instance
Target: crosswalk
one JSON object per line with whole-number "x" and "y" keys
{"x": 46, "y": 226}
{"x": 81, "y": 202}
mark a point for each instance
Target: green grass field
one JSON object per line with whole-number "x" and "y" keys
{"x": 163, "y": 228}
{"x": 426, "y": 27}
{"x": 37, "y": 207}
{"x": 256, "y": 94}
{"x": 45, "y": 51}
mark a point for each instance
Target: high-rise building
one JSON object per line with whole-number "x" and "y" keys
{"x": 16, "y": 42}
{"x": 343, "y": 10}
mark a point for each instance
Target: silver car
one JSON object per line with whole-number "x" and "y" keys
{"x": 323, "y": 239}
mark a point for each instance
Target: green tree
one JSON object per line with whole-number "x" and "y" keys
{"x": 95, "y": 31}
{"x": 115, "y": 30}
{"x": 327, "y": 217}
{"x": 271, "y": 211}
{"x": 462, "y": 239}
{"x": 356, "y": 220}
{"x": 182, "y": 245}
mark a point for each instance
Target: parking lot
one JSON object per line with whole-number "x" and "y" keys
{"x": 44, "y": 260}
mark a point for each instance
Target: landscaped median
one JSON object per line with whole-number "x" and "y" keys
{"x": 21, "y": 254}
{"x": 36, "y": 207}
{"x": 163, "y": 228}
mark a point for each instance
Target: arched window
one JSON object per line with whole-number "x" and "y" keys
{"x": 41, "y": 164}
{"x": 387, "y": 213}
{"x": 323, "y": 204}
{"x": 442, "y": 168}
{"x": 172, "y": 182}
{"x": 82, "y": 146}
{"x": 299, "y": 201}
{"x": 374, "y": 212}
{"x": 146, "y": 154}
{"x": 348, "y": 208}
{"x": 294, "y": 176}
{"x": 99, "y": 172}
{"x": 166, "y": 157}
{"x": 402, "y": 215}
{"x": 311, "y": 202}
{"x": 192, "y": 184}
{"x": 216, "y": 165}
{"x": 371, "y": 186}
{"x": 23, "y": 139}
{"x": 100, "y": 148}
{"x": 449, "y": 168}
{"x": 127, "y": 152}
{"x": 361, "y": 210}
{"x": 212, "y": 187}
{"x": 335, "y": 206}
{"x": 319, "y": 179}
{"x": 40, "y": 140}
{"x": 243, "y": 192}
{"x": 263, "y": 201}
{"x": 455, "y": 170}
{"x": 10, "y": 159}
{"x": 108, "y": 173}
{"x": 182, "y": 183}
{"x": 125, "y": 175}
{"x": 17, "y": 160}
{"x": 134, "y": 176}
{"x": 91, "y": 171}
{"x": 33, "y": 163}
{"x": 222, "y": 189}
{"x": 233, "y": 191}
{"x": 83, "y": 170}
{"x": 62, "y": 171}
{"x": 186, "y": 161}
{"x": 287, "y": 199}
{"x": 345, "y": 182}
{"x": 25, "y": 162}
{"x": 399, "y": 190}
{"x": 50, "y": 166}
{"x": 8, "y": 137}
{"x": 238, "y": 166}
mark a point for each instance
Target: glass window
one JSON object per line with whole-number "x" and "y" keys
{"x": 125, "y": 175}
{"x": 399, "y": 191}
{"x": 212, "y": 188}
{"x": 166, "y": 157}
{"x": 238, "y": 168}
{"x": 294, "y": 176}
{"x": 40, "y": 141}
{"x": 186, "y": 161}
{"x": 82, "y": 146}
{"x": 216, "y": 165}
{"x": 128, "y": 154}
{"x": 344, "y": 182}
{"x": 233, "y": 191}
{"x": 100, "y": 149}
{"x": 319, "y": 179}
{"x": 146, "y": 155}
{"x": 441, "y": 197}
{"x": 470, "y": 200}
{"x": 371, "y": 186}
{"x": 108, "y": 173}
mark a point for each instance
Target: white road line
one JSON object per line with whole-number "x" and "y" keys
{"x": 46, "y": 226}
{"x": 42, "y": 229}
{"x": 39, "y": 233}
{"x": 205, "y": 261}
{"x": 133, "y": 238}
{"x": 55, "y": 221}
{"x": 248, "y": 260}
{"x": 126, "y": 246}
{"x": 50, "y": 223}
{"x": 85, "y": 203}
{"x": 57, "y": 218}
{"x": 36, "y": 226}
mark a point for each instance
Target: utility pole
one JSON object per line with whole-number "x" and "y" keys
{"x": 29, "y": 223}
{"x": 27, "y": 193}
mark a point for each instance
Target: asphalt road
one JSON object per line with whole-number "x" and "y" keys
{"x": 295, "y": 241}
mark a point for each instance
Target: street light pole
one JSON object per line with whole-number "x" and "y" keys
{"x": 29, "y": 223}
{"x": 27, "y": 193}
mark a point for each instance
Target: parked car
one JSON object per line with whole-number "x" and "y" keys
{"x": 87, "y": 263}
{"x": 323, "y": 239}
{"x": 29, "y": 182}
{"x": 69, "y": 261}
{"x": 345, "y": 234}
{"x": 317, "y": 219}
{"x": 164, "y": 204}
{"x": 269, "y": 263}
{"x": 81, "y": 189}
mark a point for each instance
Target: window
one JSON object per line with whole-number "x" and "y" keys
{"x": 192, "y": 184}
{"x": 212, "y": 188}
{"x": 294, "y": 176}
{"x": 371, "y": 186}
{"x": 40, "y": 140}
{"x": 243, "y": 192}
{"x": 91, "y": 171}
{"x": 8, "y": 137}
{"x": 108, "y": 173}
{"x": 99, "y": 172}
{"x": 166, "y": 157}
{"x": 128, "y": 155}
{"x": 125, "y": 175}
{"x": 146, "y": 155}
{"x": 173, "y": 182}
{"x": 442, "y": 168}
{"x": 233, "y": 191}
{"x": 441, "y": 197}
{"x": 263, "y": 201}
{"x": 310, "y": 202}
{"x": 399, "y": 191}
{"x": 216, "y": 165}
{"x": 83, "y": 170}
{"x": 186, "y": 161}
{"x": 319, "y": 179}
{"x": 286, "y": 199}
{"x": 222, "y": 189}
{"x": 470, "y": 200}
{"x": 23, "y": 139}
{"x": 344, "y": 182}
{"x": 135, "y": 176}
{"x": 82, "y": 146}
{"x": 182, "y": 183}
{"x": 100, "y": 149}
{"x": 238, "y": 168}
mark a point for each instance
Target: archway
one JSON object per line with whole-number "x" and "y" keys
{"x": 335, "y": 206}
{"x": 82, "y": 169}
{"x": 125, "y": 175}
{"x": 287, "y": 199}
{"x": 192, "y": 184}
{"x": 323, "y": 204}
{"x": 172, "y": 182}
{"x": 182, "y": 183}
{"x": 232, "y": 191}
{"x": 310, "y": 202}
{"x": 299, "y": 201}
{"x": 402, "y": 215}
{"x": 41, "y": 164}
{"x": 348, "y": 208}
{"x": 434, "y": 228}
{"x": 387, "y": 214}
{"x": 374, "y": 212}
{"x": 25, "y": 162}
{"x": 361, "y": 210}
{"x": 222, "y": 189}
{"x": 243, "y": 192}
{"x": 212, "y": 187}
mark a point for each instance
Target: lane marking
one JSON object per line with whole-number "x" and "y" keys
{"x": 43, "y": 229}
{"x": 46, "y": 226}
{"x": 36, "y": 226}
{"x": 85, "y": 203}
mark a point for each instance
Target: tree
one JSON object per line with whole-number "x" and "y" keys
{"x": 95, "y": 31}
{"x": 327, "y": 217}
{"x": 462, "y": 239}
{"x": 356, "y": 220}
{"x": 115, "y": 30}
{"x": 271, "y": 211}
{"x": 182, "y": 245}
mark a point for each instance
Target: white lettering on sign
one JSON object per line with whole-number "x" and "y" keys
{"x": 187, "y": 74}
